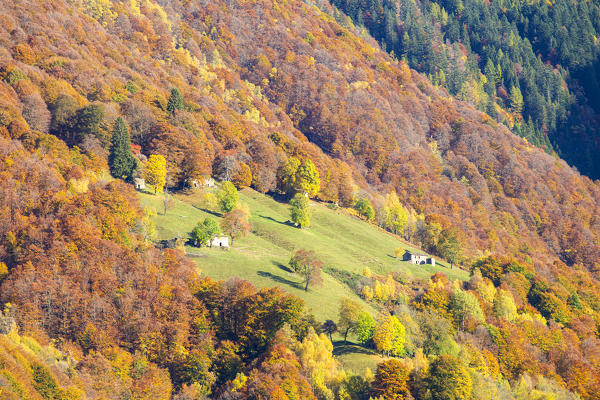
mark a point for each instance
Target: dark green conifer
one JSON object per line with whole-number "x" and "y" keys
{"x": 120, "y": 160}
{"x": 175, "y": 101}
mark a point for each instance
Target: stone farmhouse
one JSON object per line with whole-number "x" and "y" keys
{"x": 219, "y": 241}
{"x": 139, "y": 183}
{"x": 418, "y": 258}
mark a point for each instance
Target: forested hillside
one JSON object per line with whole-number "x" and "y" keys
{"x": 288, "y": 97}
{"x": 531, "y": 65}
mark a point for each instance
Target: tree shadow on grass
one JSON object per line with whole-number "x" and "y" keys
{"x": 214, "y": 213}
{"x": 282, "y": 267}
{"x": 340, "y": 349}
{"x": 286, "y": 223}
{"x": 280, "y": 279}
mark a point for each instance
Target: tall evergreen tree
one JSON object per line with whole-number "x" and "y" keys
{"x": 120, "y": 160}
{"x": 175, "y": 101}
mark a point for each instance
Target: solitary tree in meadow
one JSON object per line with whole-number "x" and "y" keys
{"x": 300, "y": 211}
{"x": 329, "y": 327}
{"x": 235, "y": 223}
{"x": 349, "y": 315}
{"x": 306, "y": 263}
{"x": 203, "y": 232}
{"x": 227, "y": 197}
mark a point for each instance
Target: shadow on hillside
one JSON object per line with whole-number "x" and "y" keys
{"x": 214, "y": 213}
{"x": 286, "y": 223}
{"x": 280, "y": 197}
{"x": 280, "y": 279}
{"x": 282, "y": 267}
{"x": 340, "y": 349}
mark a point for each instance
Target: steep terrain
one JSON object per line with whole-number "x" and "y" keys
{"x": 305, "y": 78}
{"x": 345, "y": 244}
{"x": 266, "y": 86}
{"x": 533, "y": 66}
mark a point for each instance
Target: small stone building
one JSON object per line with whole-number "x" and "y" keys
{"x": 204, "y": 182}
{"x": 139, "y": 183}
{"x": 219, "y": 241}
{"x": 418, "y": 258}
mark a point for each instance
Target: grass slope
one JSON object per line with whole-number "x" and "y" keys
{"x": 342, "y": 242}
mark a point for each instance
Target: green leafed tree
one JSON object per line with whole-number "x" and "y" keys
{"x": 86, "y": 122}
{"x": 227, "y": 197}
{"x": 365, "y": 327}
{"x": 464, "y": 305}
{"x": 286, "y": 175}
{"x": 364, "y": 208}
{"x": 121, "y": 162}
{"x": 73, "y": 124}
{"x": 516, "y": 100}
{"x": 62, "y": 110}
{"x": 396, "y": 216}
{"x": 449, "y": 246}
{"x": 175, "y": 101}
{"x": 300, "y": 212}
{"x": 307, "y": 180}
{"x": 504, "y": 305}
{"x": 296, "y": 176}
{"x": 204, "y": 231}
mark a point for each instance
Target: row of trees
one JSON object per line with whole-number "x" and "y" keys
{"x": 432, "y": 233}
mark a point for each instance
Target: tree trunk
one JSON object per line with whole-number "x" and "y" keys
{"x": 346, "y": 335}
{"x": 306, "y": 286}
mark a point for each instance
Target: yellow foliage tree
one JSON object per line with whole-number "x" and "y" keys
{"x": 316, "y": 357}
{"x": 156, "y": 172}
{"x": 367, "y": 293}
{"x": 395, "y": 215}
{"x": 390, "y": 336}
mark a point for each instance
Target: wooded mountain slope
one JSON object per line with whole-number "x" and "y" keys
{"x": 262, "y": 81}
{"x": 533, "y": 66}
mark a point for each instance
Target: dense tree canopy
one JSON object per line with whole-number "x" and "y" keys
{"x": 307, "y": 103}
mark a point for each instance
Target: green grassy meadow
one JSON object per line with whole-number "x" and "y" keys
{"x": 345, "y": 244}
{"x": 341, "y": 241}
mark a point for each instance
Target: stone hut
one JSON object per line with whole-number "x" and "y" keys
{"x": 219, "y": 241}
{"x": 204, "y": 182}
{"x": 139, "y": 183}
{"x": 418, "y": 258}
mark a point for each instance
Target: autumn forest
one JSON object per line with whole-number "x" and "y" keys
{"x": 458, "y": 128}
